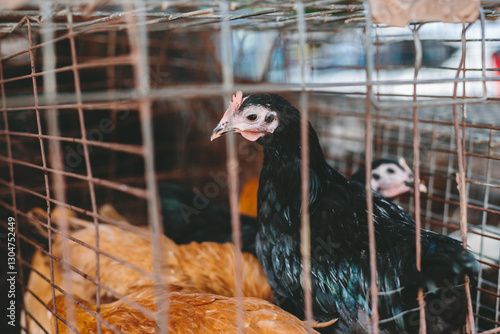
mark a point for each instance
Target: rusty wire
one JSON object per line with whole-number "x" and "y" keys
{"x": 374, "y": 290}
{"x": 232, "y": 165}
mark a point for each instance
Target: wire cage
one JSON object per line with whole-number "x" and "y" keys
{"x": 105, "y": 102}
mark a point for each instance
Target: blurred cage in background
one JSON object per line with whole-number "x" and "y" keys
{"x": 100, "y": 102}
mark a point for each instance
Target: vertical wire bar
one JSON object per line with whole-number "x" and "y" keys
{"x": 416, "y": 171}
{"x": 461, "y": 178}
{"x": 138, "y": 39}
{"x": 486, "y": 199}
{"x": 371, "y": 223}
{"x": 468, "y": 171}
{"x": 497, "y": 302}
{"x": 111, "y": 52}
{"x": 483, "y": 50}
{"x": 449, "y": 170}
{"x": 305, "y": 228}
{"x": 387, "y": 137}
{"x": 88, "y": 167}
{"x": 44, "y": 164}
{"x": 488, "y": 172}
{"x": 55, "y": 152}
{"x": 401, "y": 138}
{"x": 12, "y": 179}
{"x": 232, "y": 165}
{"x": 470, "y": 148}
{"x": 432, "y": 169}
{"x": 368, "y": 162}
{"x": 111, "y": 81}
{"x": 378, "y": 133}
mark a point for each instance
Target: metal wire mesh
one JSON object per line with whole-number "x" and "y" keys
{"x": 100, "y": 102}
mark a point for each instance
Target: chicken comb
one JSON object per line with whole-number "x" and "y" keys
{"x": 235, "y": 104}
{"x": 404, "y": 165}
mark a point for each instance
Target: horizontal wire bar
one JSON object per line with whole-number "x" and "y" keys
{"x": 190, "y": 91}
{"x": 126, "y": 148}
{"x": 469, "y": 206}
{"x": 138, "y": 192}
{"x": 81, "y": 243}
{"x": 94, "y": 314}
{"x": 115, "y": 61}
{"x": 95, "y": 105}
{"x": 82, "y": 274}
{"x": 110, "y": 221}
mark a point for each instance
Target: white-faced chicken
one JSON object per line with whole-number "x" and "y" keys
{"x": 390, "y": 178}
{"x": 340, "y": 265}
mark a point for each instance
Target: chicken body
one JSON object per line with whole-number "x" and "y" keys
{"x": 128, "y": 261}
{"x": 340, "y": 266}
{"x": 484, "y": 247}
{"x": 188, "y": 313}
{"x": 188, "y": 216}
{"x": 209, "y": 267}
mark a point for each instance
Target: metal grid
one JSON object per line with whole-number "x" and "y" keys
{"x": 99, "y": 104}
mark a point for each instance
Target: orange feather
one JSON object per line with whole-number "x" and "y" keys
{"x": 188, "y": 313}
{"x": 248, "y": 197}
{"x": 206, "y": 267}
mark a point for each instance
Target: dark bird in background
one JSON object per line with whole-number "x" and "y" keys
{"x": 340, "y": 266}
{"x": 189, "y": 216}
{"x": 390, "y": 178}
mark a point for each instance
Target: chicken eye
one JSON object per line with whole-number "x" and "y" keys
{"x": 252, "y": 117}
{"x": 269, "y": 118}
{"x": 390, "y": 170}
{"x": 376, "y": 176}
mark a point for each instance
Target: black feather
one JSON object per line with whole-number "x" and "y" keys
{"x": 190, "y": 216}
{"x": 339, "y": 242}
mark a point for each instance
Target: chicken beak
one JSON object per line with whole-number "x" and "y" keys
{"x": 219, "y": 130}
{"x": 225, "y": 125}
{"x": 410, "y": 184}
{"x": 421, "y": 186}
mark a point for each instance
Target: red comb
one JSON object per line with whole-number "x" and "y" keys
{"x": 235, "y": 104}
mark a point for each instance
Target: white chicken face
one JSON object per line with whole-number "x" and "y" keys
{"x": 391, "y": 180}
{"x": 252, "y": 122}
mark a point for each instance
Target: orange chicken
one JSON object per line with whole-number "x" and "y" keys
{"x": 210, "y": 266}
{"x": 206, "y": 267}
{"x": 188, "y": 313}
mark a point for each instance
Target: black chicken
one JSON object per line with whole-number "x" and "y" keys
{"x": 188, "y": 217}
{"x": 339, "y": 235}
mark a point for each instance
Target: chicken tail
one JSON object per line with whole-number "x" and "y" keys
{"x": 444, "y": 266}
{"x": 445, "y": 263}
